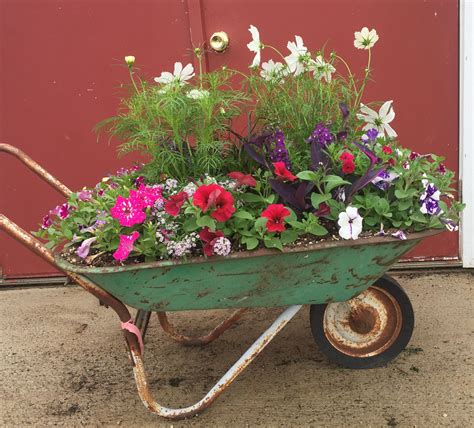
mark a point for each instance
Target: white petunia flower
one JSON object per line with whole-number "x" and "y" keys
{"x": 379, "y": 120}
{"x": 179, "y": 75}
{"x": 365, "y": 39}
{"x": 350, "y": 223}
{"x": 255, "y": 45}
{"x": 322, "y": 69}
{"x": 299, "y": 58}
{"x": 197, "y": 94}
{"x": 273, "y": 71}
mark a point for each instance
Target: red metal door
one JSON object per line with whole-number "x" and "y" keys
{"x": 62, "y": 66}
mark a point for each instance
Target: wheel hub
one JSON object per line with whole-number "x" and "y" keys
{"x": 365, "y": 325}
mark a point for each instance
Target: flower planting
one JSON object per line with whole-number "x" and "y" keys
{"x": 317, "y": 162}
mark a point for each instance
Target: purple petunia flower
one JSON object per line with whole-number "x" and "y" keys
{"x": 370, "y": 136}
{"x": 83, "y": 250}
{"x": 450, "y": 224}
{"x": 279, "y": 152}
{"x": 384, "y": 179}
{"x": 321, "y": 135}
{"x": 429, "y": 200}
{"x": 400, "y": 234}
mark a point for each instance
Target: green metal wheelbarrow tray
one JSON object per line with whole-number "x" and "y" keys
{"x": 360, "y": 317}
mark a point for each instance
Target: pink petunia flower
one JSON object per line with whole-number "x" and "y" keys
{"x": 84, "y": 195}
{"x": 128, "y": 211}
{"x": 126, "y": 246}
{"x": 149, "y": 195}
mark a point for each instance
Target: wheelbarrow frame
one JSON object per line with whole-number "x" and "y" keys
{"x": 134, "y": 331}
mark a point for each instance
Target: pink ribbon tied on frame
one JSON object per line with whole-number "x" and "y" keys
{"x": 132, "y": 328}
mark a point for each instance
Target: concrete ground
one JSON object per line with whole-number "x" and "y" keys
{"x": 63, "y": 362}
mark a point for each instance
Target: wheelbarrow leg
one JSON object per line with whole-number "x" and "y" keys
{"x": 142, "y": 318}
{"x": 257, "y": 347}
{"x": 201, "y": 340}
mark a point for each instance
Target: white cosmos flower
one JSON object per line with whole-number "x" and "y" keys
{"x": 179, "y": 75}
{"x": 273, "y": 71}
{"x": 299, "y": 57}
{"x": 379, "y": 120}
{"x": 197, "y": 94}
{"x": 255, "y": 45}
{"x": 322, "y": 69}
{"x": 350, "y": 223}
{"x": 365, "y": 39}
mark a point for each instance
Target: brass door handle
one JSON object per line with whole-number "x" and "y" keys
{"x": 219, "y": 41}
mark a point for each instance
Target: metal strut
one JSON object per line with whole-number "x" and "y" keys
{"x": 257, "y": 347}
{"x": 201, "y": 340}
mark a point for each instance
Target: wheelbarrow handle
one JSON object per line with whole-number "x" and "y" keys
{"x": 35, "y": 245}
{"x": 36, "y": 168}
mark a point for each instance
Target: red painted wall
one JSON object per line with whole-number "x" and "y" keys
{"x": 62, "y": 65}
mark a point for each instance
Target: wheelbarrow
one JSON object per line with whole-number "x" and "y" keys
{"x": 359, "y": 316}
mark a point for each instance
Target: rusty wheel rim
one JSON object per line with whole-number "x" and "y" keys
{"x": 364, "y": 326}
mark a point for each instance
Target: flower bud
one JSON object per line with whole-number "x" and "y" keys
{"x": 130, "y": 60}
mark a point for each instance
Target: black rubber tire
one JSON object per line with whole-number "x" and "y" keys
{"x": 390, "y": 286}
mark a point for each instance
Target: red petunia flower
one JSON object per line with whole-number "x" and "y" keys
{"x": 323, "y": 210}
{"x": 348, "y": 167}
{"x": 243, "y": 179}
{"x": 391, "y": 162}
{"x": 175, "y": 202}
{"x": 347, "y": 157}
{"x": 282, "y": 173}
{"x": 276, "y": 214}
{"x": 414, "y": 155}
{"x": 387, "y": 150}
{"x": 209, "y": 238}
{"x": 215, "y": 198}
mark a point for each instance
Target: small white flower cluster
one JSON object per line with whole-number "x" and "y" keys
{"x": 228, "y": 184}
{"x": 171, "y": 185}
{"x": 164, "y": 235}
{"x": 189, "y": 189}
{"x": 209, "y": 179}
{"x": 222, "y": 246}
{"x": 183, "y": 247}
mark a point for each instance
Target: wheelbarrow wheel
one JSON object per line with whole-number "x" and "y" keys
{"x": 367, "y": 331}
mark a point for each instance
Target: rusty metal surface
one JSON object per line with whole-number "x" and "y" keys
{"x": 199, "y": 340}
{"x": 257, "y": 347}
{"x": 36, "y": 168}
{"x": 364, "y": 326}
{"x": 327, "y": 272}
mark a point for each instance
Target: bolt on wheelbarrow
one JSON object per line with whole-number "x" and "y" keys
{"x": 359, "y": 316}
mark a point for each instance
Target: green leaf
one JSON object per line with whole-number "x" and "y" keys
{"x": 288, "y": 236}
{"x": 296, "y": 224}
{"x": 271, "y": 199}
{"x": 371, "y": 221}
{"x": 317, "y": 229}
{"x": 333, "y": 181}
{"x": 243, "y": 214}
{"x": 443, "y": 206}
{"x": 251, "y": 197}
{"x": 260, "y": 225}
{"x": 206, "y": 221}
{"x": 419, "y": 217}
{"x": 190, "y": 224}
{"x": 307, "y": 175}
{"x": 404, "y": 204}
{"x": 273, "y": 243}
{"x": 251, "y": 243}
{"x": 317, "y": 199}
